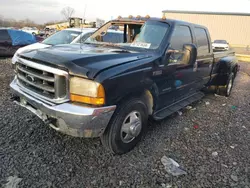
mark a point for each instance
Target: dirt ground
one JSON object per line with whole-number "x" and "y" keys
{"x": 211, "y": 142}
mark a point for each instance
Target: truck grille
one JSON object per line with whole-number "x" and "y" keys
{"x": 46, "y": 82}
{"x": 220, "y": 48}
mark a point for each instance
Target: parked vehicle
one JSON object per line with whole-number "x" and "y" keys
{"x": 70, "y": 36}
{"x": 110, "y": 36}
{"x": 31, "y": 30}
{"x": 75, "y": 22}
{"x": 62, "y": 37}
{"x": 219, "y": 45}
{"x": 45, "y": 33}
{"x": 110, "y": 90}
{"x": 11, "y": 40}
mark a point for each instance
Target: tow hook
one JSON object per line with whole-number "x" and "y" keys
{"x": 50, "y": 121}
{"x": 15, "y": 98}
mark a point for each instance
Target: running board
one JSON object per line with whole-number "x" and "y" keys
{"x": 163, "y": 113}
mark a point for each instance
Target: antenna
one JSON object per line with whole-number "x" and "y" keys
{"x": 82, "y": 25}
{"x": 84, "y": 11}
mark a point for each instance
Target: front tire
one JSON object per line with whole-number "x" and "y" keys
{"x": 126, "y": 127}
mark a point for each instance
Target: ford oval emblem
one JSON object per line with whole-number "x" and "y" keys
{"x": 30, "y": 78}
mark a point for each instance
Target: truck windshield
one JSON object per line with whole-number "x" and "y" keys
{"x": 220, "y": 41}
{"x": 148, "y": 35}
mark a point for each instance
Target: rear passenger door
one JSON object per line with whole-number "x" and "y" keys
{"x": 205, "y": 54}
{"x": 5, "y": 43}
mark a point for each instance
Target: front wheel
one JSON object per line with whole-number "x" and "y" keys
{"x": 126, "y": 127}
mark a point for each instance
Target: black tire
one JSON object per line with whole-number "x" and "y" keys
{"x": 230, "y": 83}
{"x": 112, "y": 137}
{"x": 228, "y": 88}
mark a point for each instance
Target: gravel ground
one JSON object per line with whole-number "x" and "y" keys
{"x": 210, "y": 142}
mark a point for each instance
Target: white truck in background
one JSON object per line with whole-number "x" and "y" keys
{"x": 31, "y": 30}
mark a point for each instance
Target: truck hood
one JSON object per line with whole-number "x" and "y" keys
{"x": 34, "y": 46}
{"x": 85, "y": 60}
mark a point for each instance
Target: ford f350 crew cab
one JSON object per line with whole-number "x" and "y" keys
{"x": 110, "y": 90}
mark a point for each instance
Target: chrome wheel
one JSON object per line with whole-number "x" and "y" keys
{"x": 131, "y": 127}
{"x": 229, "y": 87}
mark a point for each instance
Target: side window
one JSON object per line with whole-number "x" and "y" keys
{"x": 4, "y": 36}
{"x": 113, "y": 37}
{"x": 202, "y": 41}
{"x": 119, "y": 37}
{"x": 87, "y": 35}
{"x": 108, "y": 37}
{"x": 181, "y": 35}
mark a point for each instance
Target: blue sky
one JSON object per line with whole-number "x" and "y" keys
{"x": 47, "y": 10}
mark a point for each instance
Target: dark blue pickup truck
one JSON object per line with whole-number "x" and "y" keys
{"x": 111, "y": 89}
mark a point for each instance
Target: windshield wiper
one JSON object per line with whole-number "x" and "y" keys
{"x": 47, "y": 43}
{"x": 120, "y": 51}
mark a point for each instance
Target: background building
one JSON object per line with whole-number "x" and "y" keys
{"x": 233, "y": 27}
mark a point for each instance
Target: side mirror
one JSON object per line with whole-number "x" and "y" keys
{"x": 189, "y": 54}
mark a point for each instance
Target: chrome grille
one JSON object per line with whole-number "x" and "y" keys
{"x": 44, "y": 81}
{"x": 219, "y": 47}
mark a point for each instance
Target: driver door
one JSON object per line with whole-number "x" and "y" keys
{"x": 178, "y": 78}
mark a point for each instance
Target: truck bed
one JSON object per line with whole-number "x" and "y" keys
{"x": 222, "y": 54}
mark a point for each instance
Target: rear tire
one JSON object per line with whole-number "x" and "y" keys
{"x": 126, "y": 127}
{"x": 228, "y": 88}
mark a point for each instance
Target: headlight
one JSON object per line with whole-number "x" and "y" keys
{"x": 86, "y": 91}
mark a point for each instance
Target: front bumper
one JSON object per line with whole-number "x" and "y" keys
{"x": 220, "y": 48}
{"x": 68, "y": 118}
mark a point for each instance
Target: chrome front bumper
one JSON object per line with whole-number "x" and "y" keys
{"x": 68, "y": 118}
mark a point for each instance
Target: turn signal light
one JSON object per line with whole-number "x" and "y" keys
{"x": 87, "y": 100}
{"x": 147, "y": 16}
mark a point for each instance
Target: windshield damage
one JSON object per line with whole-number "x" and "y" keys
{"x": 143, "y": 35}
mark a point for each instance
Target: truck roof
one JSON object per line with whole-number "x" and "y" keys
{"x": 144, "y": 19}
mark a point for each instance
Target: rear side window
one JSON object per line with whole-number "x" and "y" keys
{"x": 4, "y": 36}
{"x": 181, "y": 35}
{"x": 202, "y": 41}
